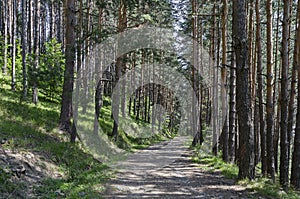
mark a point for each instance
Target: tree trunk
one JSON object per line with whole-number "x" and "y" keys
{"x": 13, "y": 42}
{"x": 66, "y": 104}
{"x": 99, "y": 87}
{"x": 30, "y": 27}
{"x": 52, "y": 18}
{"x": 276, "y": 93}
{"x": 284, "y": 142}
{"x": 260, "y": 90}
{"x": 295, "y": 174}
{"x": 246, "y": 137}
{"x": 232, "y": 111}
{"x": 270, "y": 114}
{"x": 215, "y": 85}
{"x": 195, "y": 131}
{"x": 291, "y": 110}
{"x": 224, "y": 79}
{"x": 24, "y": 48}
{"x": 6, "y": 18}
{"x": 36, "y": 47}
{"x": 119, "y": 64}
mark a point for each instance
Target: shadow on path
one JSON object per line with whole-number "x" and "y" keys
{"x": 166, "y": 171}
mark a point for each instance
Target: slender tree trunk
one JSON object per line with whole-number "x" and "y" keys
{"x": 224, "y": 80}
{"x": 30, "y": 28}
{"x": 2, "y": 7}
{"x": 246, "y": 137}
{"x": 295, "y": 174}
{"x": 36, "y": 47}
{"x": 195, "y": 128}
{"x": 52, "y": 18}
{"x": 24, "y": 48}
{"x": 123, "y": 101}
{"x": 270, "y": 113}
{"x": 260, "y": 90}
{"x": 195, "y": 65}
{"x": 215, "y": 85}
{"x": 66, "y": 104}
{"x": 119, "y": 65}
{"x": 99, "y": 87}
{"x": 284, "y": 142}
{"x": 232, "y": 111}
{"x": 6, "y": 18}
{"x": 13, "y": 42}
{"x": 276, "y": 97}
{"x": 291, "y": 109}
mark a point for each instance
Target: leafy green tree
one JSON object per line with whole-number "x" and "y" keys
{"x": 50, "y": 77}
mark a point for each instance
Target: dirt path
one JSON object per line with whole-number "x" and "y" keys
{"x": 165, "y": 171}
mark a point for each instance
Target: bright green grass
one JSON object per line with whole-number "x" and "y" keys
{"x": 213, "y": 163}
{"x": 263, "y": 186}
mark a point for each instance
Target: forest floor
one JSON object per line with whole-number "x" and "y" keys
{"x": 165, "y": 170}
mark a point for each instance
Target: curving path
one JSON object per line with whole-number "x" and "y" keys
{"x": 165, "y": 171}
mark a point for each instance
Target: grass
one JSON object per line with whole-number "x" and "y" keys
{"x": 33, "y": 128}
{"x": 30, "y": 128}
{"x": 265, "y": 187}
{"x": 261, "y": 185}
{"x": 212, "y": 163}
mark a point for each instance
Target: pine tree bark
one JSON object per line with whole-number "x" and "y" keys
{"x": 224, "y": 80}
{"x": 284, "y": 142}
{"x": 5, "y": 13}
{"x": 30, "y": 27}
{"x": 66, "y": 104}
{"x": 295, "y": 174}
{"x": 36, "y": 47}
{"x": 13, "y": 42}
{"x": 214, "y": 88}
{"x": 194, "y": 65}
{"x": 276, "y": 91}
{"x": 260, "y": 90}
{"x": 119, "y": 64}
{"x": 246, "y": 137}
{"x": 99, "y": 87}
{"x": 293, "y": 91}
{"x": 24, "y": 48}
{"x": 232, "y": 111}
{"x": 52, "y": 18}
{"x": 270, "y": 113}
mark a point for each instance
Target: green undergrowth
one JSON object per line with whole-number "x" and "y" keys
{"x": 28, "y": 128}
{"x": 262, "y": 186}
{"x": 212, "y": 163}
{"x": 265, "y": 187}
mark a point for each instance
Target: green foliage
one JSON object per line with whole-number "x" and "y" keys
{"x": 49, "y": 74}
{"x": 18, "y": 61}
{"x": 50, "y": 71}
